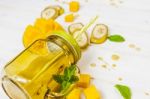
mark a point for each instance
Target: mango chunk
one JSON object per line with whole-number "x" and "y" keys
{"x": 41, "y": 29}
{"x": 84, "y": 80}
{"x": 74, "y": 6}
{"x": 92, "y": 93}
{"x": 69, "y": 18}
{"x": 74, "y": 94}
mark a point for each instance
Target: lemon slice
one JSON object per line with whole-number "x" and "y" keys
{"x": 82, "y": 40}
{"x": 99, "y": 34}
{"x": 49, "y": 13}
{"x": 73, "y": 27}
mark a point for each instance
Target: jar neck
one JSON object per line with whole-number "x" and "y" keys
{"x": 66, "y": 46}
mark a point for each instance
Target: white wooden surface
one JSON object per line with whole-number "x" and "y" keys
{"x": 131, "y": 18}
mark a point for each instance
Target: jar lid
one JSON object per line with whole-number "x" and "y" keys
{"x": 71, "y": 41}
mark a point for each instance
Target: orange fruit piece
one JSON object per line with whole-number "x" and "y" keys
{"x": 69, "y": 18}
{"x": 41, "y": 30}
{"x": 74, "y": 6}
{"x": 30, "y": 35}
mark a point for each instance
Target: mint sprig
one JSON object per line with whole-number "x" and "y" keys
{"x": 67, "y": 78}
{"x": 116, "y": 38}
{"x": 124, "y": 91}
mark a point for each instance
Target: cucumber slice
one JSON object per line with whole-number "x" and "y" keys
{"x": 74, "y": 27}
{"x": 99, "y": 34}
{"x": 49, "y": 13}
{"x": 82, "y": 40}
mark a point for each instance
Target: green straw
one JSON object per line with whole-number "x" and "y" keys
{"x": 86, "y": 27}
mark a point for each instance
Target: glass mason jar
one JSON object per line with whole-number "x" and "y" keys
{"x": 29, "y": 74}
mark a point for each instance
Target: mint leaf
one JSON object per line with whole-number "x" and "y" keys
{"x": 74, "y": 79}
{"x": 58, "y": 78}
{"x": 67, "y": 78}
{"x": 124, "y": 91}
{"x": 65, "y": 85}
{"x": 72, "y": 70}
{"x": 116, "y": 38}
{"x": 69, "y": 71}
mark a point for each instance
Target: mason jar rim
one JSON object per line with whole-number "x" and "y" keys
{"x": 71, "y": 41}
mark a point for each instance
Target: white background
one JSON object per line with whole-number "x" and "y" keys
{"x": 130, "y": 19}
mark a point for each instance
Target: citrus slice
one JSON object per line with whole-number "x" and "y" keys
{"x": 99, "y": 34}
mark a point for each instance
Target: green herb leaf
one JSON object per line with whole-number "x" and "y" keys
{"x": 124, "y": 91}
{"x": 65, "y": 85}
{"x": 58, "y": 78}
{"x": 67, "y": 78}
{"x": 69, "y": 71}
{"x": 74, "y": 79}
{"x": 116, "y": 38}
